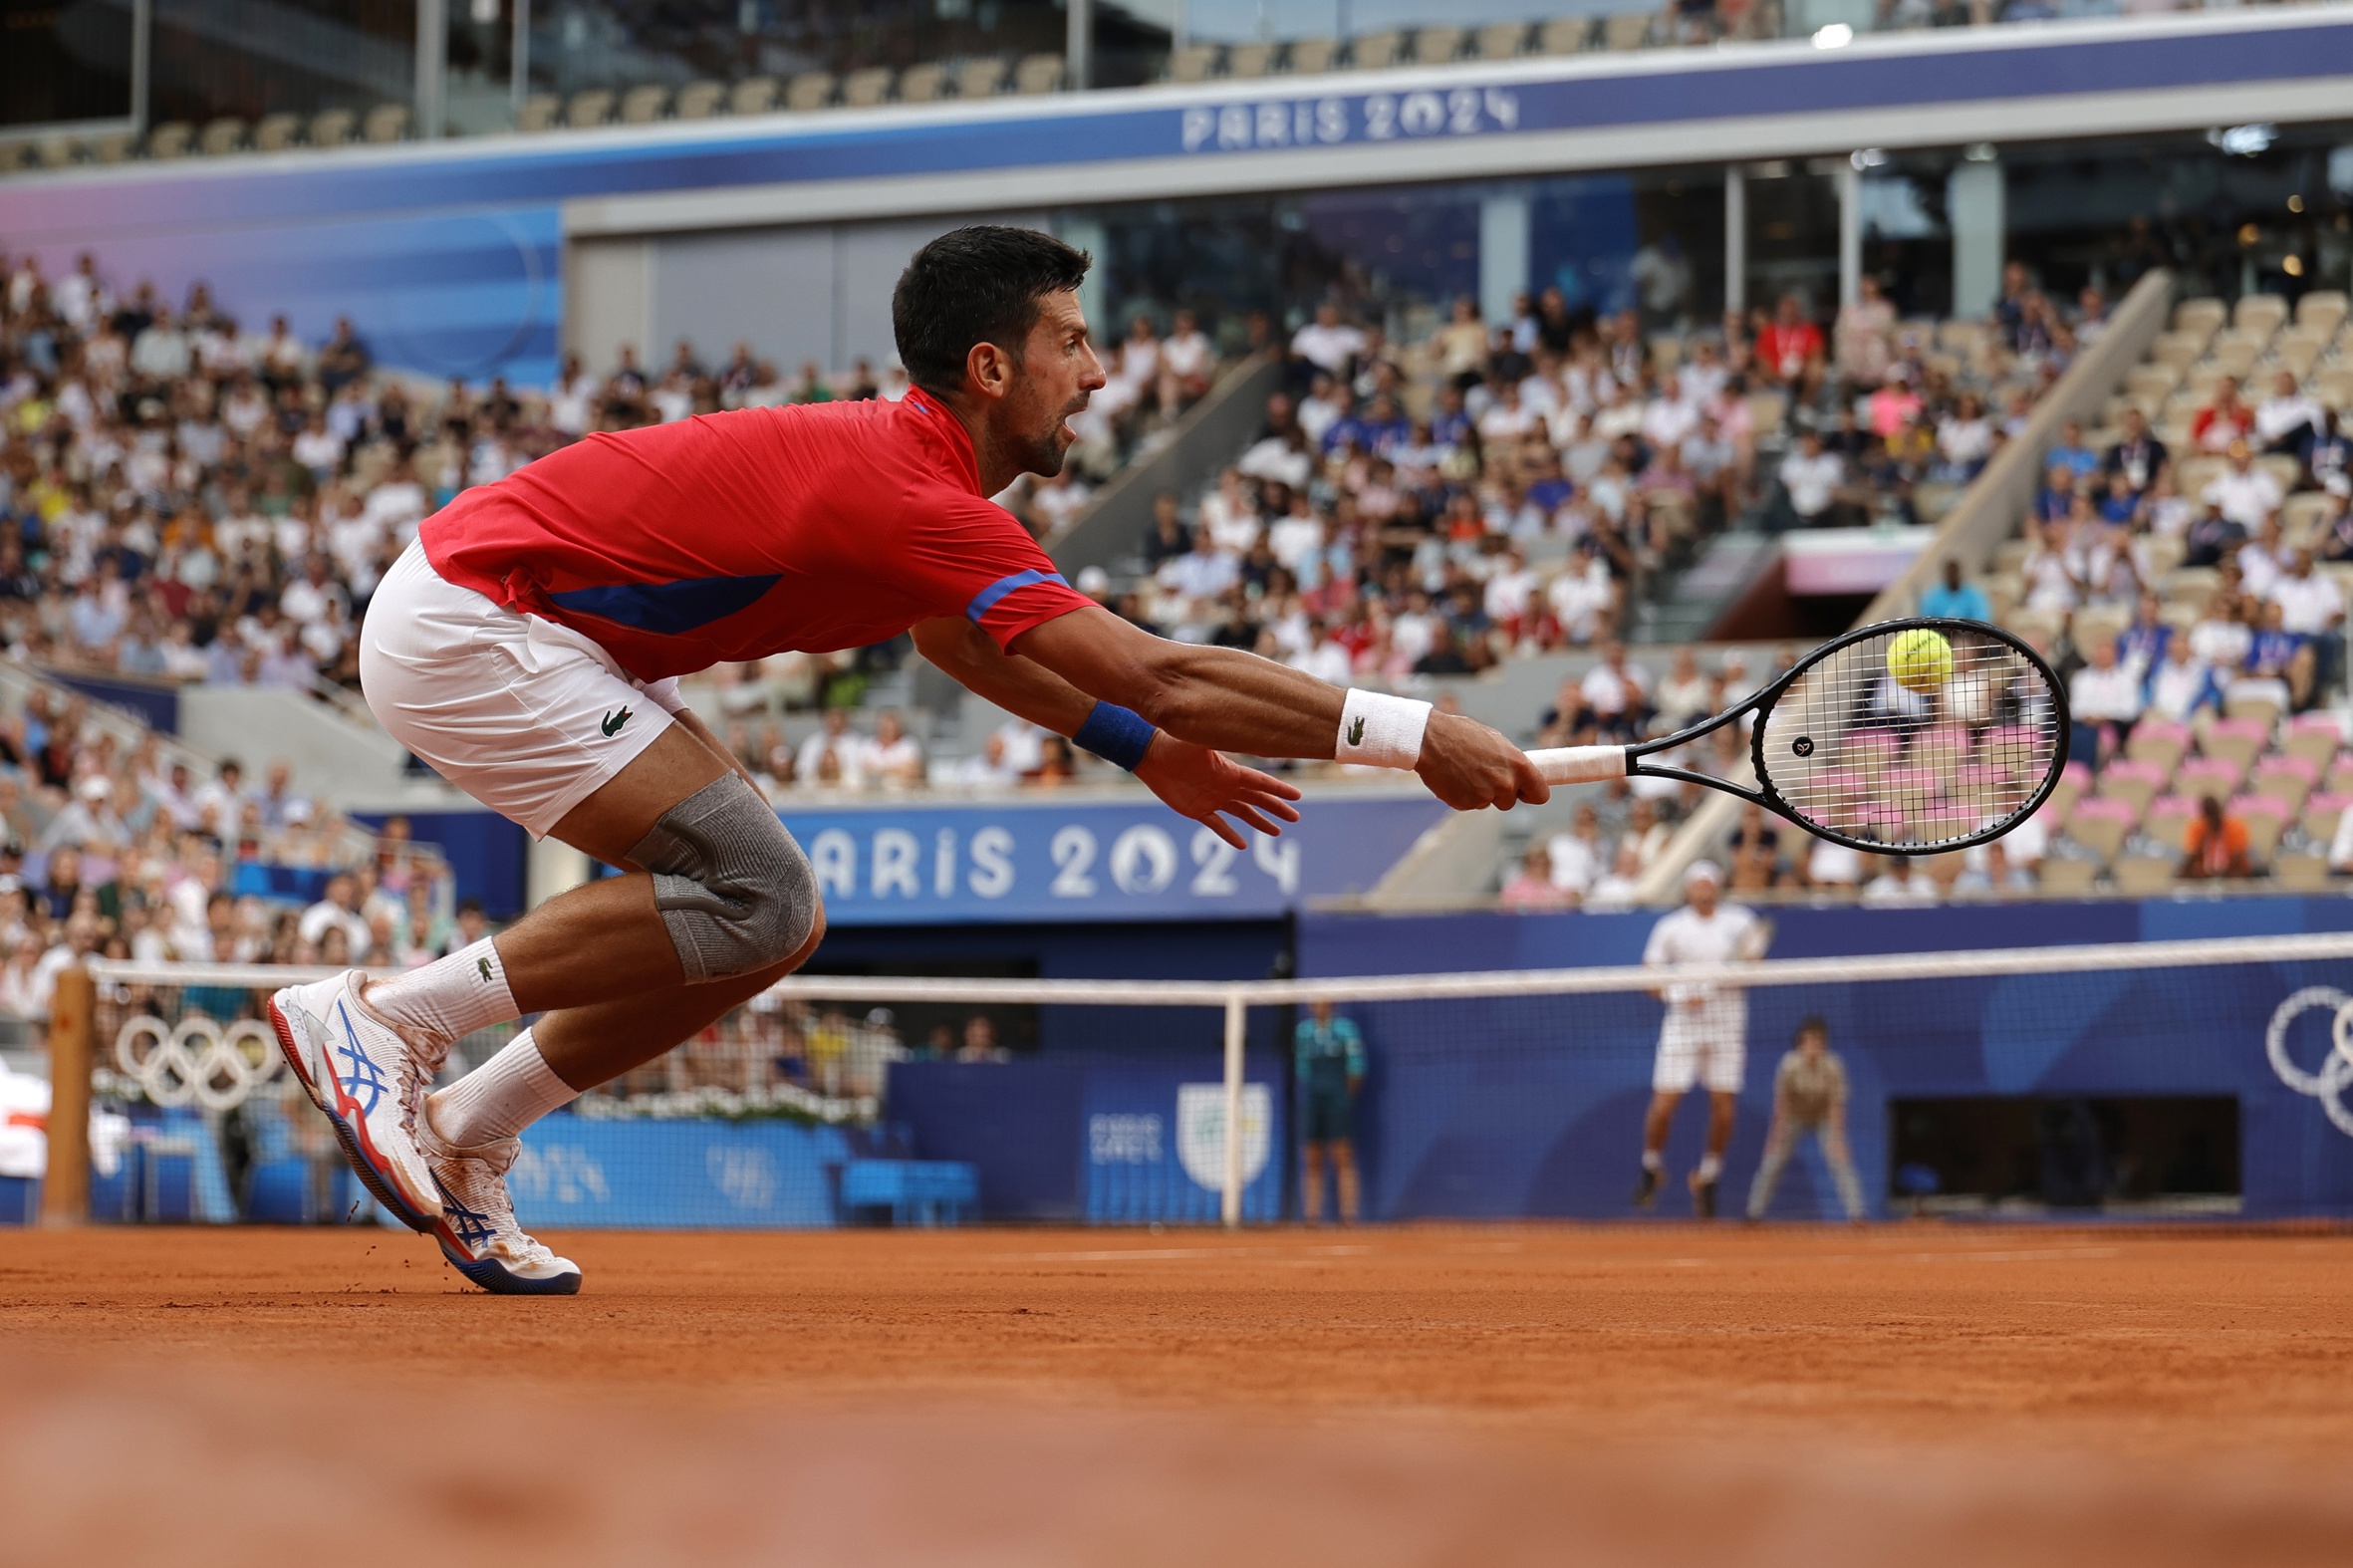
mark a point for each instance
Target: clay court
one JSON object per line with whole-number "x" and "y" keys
{"x": 1506, "y": 1394}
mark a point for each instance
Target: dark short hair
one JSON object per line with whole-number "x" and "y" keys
{"x": 979, "y": 284}
{"x": 1812, "y": 1023}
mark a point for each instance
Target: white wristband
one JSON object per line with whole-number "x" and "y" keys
{"x": 1381, "y": 732}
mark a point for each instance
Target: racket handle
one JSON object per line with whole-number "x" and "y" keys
{"x": 1580, "y": 764}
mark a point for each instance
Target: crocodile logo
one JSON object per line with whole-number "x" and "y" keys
{"x": 483, "y": 965}
{"x": 614, "y": 721}
{"x": 1356, "y": 733}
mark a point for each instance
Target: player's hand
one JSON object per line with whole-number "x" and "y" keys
{"x": 1471, "y": 767}
{"x": 1199, "y": 783}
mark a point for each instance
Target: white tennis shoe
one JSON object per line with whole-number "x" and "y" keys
{"x": 478, "y": 1229}
{"x": 371, "y": 1083}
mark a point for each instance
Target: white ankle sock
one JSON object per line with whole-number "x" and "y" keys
{"x": 1650, "y": 1159}
{"x": 500, "y": 1098}
{"x": 1709, "y": 1167}
{"x": 448, "y": 999}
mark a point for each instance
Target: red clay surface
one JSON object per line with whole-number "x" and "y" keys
{"x": 1919, "y": 1394}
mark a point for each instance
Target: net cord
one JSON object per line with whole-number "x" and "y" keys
{"x": 1994, "y": 961}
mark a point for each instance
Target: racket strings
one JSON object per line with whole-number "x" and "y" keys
{"x": 1954, "y": 755}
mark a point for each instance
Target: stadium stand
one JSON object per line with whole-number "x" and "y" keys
{"x": 680, "y": 54}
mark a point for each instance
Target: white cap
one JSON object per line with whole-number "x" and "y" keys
{"x": 1702, "y": 871}
{"x": 96, "y": 787}
{"x": 1094, "y": 580}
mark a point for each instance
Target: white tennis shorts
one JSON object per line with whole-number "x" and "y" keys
{"x": 527, "y": 717}
{"x": 1706, "y": 1045}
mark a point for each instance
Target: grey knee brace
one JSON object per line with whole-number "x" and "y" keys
{"x": 732, "y": 887}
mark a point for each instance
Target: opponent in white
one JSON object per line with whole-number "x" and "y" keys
{"x": 1704, "y": 1039}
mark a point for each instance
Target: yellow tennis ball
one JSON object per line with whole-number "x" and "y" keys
{"x": 1921, "y": 660}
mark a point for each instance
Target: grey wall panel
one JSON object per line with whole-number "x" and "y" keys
{"x": 771, "y": 287}
{"x": 608, "y": 299}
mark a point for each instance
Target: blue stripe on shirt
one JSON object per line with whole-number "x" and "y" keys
{"x": 986, "y": 600}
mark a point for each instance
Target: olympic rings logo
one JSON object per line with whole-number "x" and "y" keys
{"x": 2336, "y": 1073}
{"x": 197, "y": 1059}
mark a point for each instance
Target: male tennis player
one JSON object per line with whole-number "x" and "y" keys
{"x": 1705, "y": 1038}
{"x": 528, "y": 647}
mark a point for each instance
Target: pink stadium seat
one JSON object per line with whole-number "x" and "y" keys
{"x": 2237, "y": 740}
{"x": 2101, "y": 825}
{"x": 2314, "y": 735}
{"x": 2158, "y": 741}
{"x": 2321, "y": 813}
{"x": 2167, "y": 819}
{"x": 2266, "y": 817}
{"x": 2136, "y": 783}
{"x": 2291, "y": 778}
{"x": 2203, "y": 776}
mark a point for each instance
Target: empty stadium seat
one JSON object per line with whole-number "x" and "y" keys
{"x": 541, "y": 112}
{"x": 2286, "y": 778}
{"x": 2301, "y": 871}
{"x": 1038, "y": 74}
{"x": 2134, "y": 783}
{"x": 56, "y": 152}
{"x": 2208, "y": 778}
{"x": 590, "y": 108}
{"x": 2064, "y": 877}
{"x": 2312, "y": 735}
{"x": 333, "y": 128}
{"x": 2203, "y": 316}
{"x": 172, "y": 140}
{"x": 384, "y": 123}
{"x": 642, "y": 106}
{"x": 2320, "y": 815}
{"x": 2100, "y": 826}
{"x": 1249, "y": 61}
{"x": 1192, "y": 63}
{"x": 1314, "y": 56}
{"x": 1627, "y": 30}
{"x": 1375, "y": 51}
{"x": 980, "y": 78}
{"x": 2237, "y": 741}
{"x": 2265, "y": 819}
{"x": 752, "y": 95}
{"x": 1564, "y": 35}
{"x": 2159, "y": 742}
{"x": 113, "y": 148}
{"x": 700, "y": 100}
{"x": 2259, "y": 314}
{"x": 1501, "y": 39}
{"x": 2323, "y": 310}
{"x": 2167, "y": 819}
{"x": 2143, "y": 876}
{"x": 925, "y": 83}
{"x": 1434, "y": 46}
{"x": 2153, "y": 380}
{"x": 276, "y": 132}
{"x": 810, "y": 91}
{"x": 222, "y": 136}
{"x": 865, "y": 89}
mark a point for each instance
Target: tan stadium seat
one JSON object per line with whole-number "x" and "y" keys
{"x": 56, "y": 152}
{"x": 1376, "y": 51}
{"x": 113, "y": 147}
{"x": 170, "y": 139}
{"x": 2144, "y": 876}
{"x": 1565, "y": 34}
{"x": 2259, "y": 314}
{"x": 1192, "y": 63}
{"x": 2178, "y": 348}
{"x": 590, "y": 108}
{"x": 1313, "y": 55}
{"x": 541, "y": 112}
{"x": 277, "y": 133}
{"x": 1038, "y": 74}
{"x": 980, "y": 78}
{"x": 642, "y": 106}
{"x": 1501, "y": 39}
{"x": 2304, "y": 873}
{"x": 1249, "y": 61}
{"x": 2323, "y": 310}
{"x": 865, "y": 89}
{"x": 811, "y": 89}
{"x": 2153, "y": 380}
{"x": 2203, "y": 316}
{"x": 385, "y": 124}
{"x": 222, "y": 136}
{"x": 700, "y": 100}
{"x": 1626, "y": 30}
{"x": 752, "y": 95}
{"x": 333, "y": 128}
{"x": 2066, "y": 876}
{"x": 1436, "y": 45}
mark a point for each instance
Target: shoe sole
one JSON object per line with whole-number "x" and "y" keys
{"x": 380, "y": 1188}
{"x": 496, "y": 1277}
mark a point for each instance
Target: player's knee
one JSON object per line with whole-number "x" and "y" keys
{"x": 734, "y": 890}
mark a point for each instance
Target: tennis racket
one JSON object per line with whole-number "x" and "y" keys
{"x": 1884, "y": 740}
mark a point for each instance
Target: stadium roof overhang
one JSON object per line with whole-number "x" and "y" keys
{"x": 2005, "y": 84}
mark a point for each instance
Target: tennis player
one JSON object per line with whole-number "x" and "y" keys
{"x": 528, "y": 647}
{"x": 1705, "y": 1038}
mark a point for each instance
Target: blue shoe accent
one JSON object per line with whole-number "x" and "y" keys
{"x": 463, "y": 1229}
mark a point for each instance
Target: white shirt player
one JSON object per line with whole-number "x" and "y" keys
{"x": 1703, "y": 1038}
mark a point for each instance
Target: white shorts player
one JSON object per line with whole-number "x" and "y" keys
{"x": 1703, "y": 1041}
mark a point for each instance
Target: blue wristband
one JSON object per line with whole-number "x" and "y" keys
{"x": 1115, "y": 734}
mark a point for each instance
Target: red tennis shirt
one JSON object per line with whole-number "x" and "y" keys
{"x": 733, "y": 536}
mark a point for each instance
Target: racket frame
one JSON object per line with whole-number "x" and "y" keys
{"x": 1760, "y": 702}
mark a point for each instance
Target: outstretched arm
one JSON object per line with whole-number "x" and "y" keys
{"x": 1193, "y": 781}
{"x": 1230, "y": 701}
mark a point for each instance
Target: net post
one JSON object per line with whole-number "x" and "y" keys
{"x": 73, "y": 1020}
{"x": 1229, "y": 1205}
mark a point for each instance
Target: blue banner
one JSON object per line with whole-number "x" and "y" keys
{"x": 688, "y": 1174}
{"x": 1091, "y": 860}
{"x": 1155, "y": 1145}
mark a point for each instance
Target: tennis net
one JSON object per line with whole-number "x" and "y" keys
{"x": 2147, "y": 1078}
